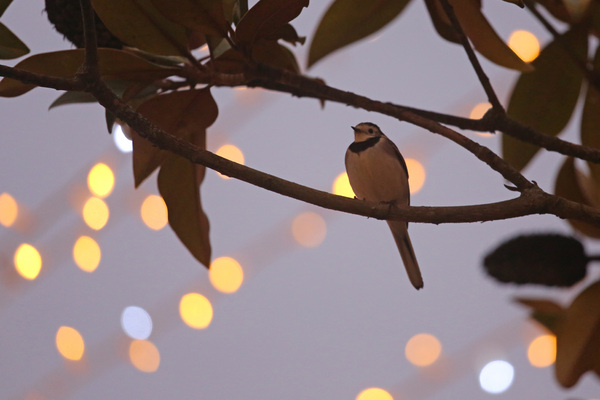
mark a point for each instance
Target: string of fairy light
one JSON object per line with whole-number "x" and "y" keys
{"x": 226, "y": 275}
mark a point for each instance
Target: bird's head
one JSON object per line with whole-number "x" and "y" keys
{"x": 365, "y": 131}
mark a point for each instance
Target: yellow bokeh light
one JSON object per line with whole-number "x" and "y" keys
{"x": 423, "y": 349}
{"x": 374, "y": 393}
{"x": 144, "y": 355}
{"x": 196, "y": 310}
{"x": 154, "y": 212}
{"x": 95, "y": 213}
{"x": 416, "y": 175}
{"x": 101, "y": 180}
{"x": 309, "y": 229}
{"x": 232, "y": 153}
{"x": 479, "y": 110}
{"x": 9, "y": 209}
{"x": 28, "y": 261}
{"x": 524, "y": 44}
{"x": 542, "y": 351}
{"x": 86, "y": 253}
{"x": 69, "y": 343}
{"x": 341, "y": 186}
{"x": 226, "y": 274}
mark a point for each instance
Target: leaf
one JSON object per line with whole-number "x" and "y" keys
{"x": 347, "y": 21}
{"x": 440, "y": 20}
{"x": 177, "y": 113}
{"x": 4, "y": 5}
{"x": 545, "y": 98}
{"x": 139, "y": 24}
{"x": 567, "y": 186}
{"x": 206, "y": 16}
{"x": 114, "y": 64}
{"x": 272, "y": 53}
{"x": 118, "y": 87}
{"x": 484, "y": 38}
{"x": 578, "y": 337}
{"x": 178, "y": 184}
{"x": 516, "y": 2}
{"x": 546, "y": 312}
{"x": 10, "y": 45}
{"x": 590, "y": 120}
{"x": 557, "y": 8}
{"x": 266, "y": 18}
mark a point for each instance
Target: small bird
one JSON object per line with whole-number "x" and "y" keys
{"x": 378, "y": 173}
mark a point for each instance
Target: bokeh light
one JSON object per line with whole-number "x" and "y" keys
{"x": 9, "y": 209}
{"x": 479, "y": 110}
{"x": 231, "y": 153}
{"x": 136, "y": 322}
{"x": 144, "y": 355}
{"x": 524, "y": 44}
{"x": 542, "y": 351}
{"x": 69, "y": 343}
{"x": 28, "y": 261}
{"x": 423, "y": 349}
{"x": 416, "y": 175}
{"x": 195, "y": 310}
{"x": 226, "y": 274}
{"x": 341, "y": 186}
{"x": 374, "y": 393}
{"x": 86, "y": 253}
{"x": 101, "y": 180}
{"x": 123, "y": 143}
{"x": 154, "y": 212}
{"x": 95, "y": 213}
{"x": 309, "y": 229}
{"x": 496, "y": 376}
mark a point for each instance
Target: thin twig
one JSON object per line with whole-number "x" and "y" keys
{"x": 485, "y": 82}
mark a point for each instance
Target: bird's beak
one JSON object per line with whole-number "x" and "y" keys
{"x": 355, "y": 129}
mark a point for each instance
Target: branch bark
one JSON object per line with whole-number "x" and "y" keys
{"x": 532, "y": 199}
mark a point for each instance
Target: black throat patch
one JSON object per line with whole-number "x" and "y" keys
{"x": 357, "y": 147}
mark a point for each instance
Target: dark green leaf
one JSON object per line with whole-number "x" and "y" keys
{"x": 110, "y": 120}
{"x": 289, "y": 34}
{"x": 590, "y": 120}
{"x": 483, "y": 36}
{"x": 10, "y": 45}
{"x": 4, "y": 5}
{"x": 546, "y": 312}
{"x": 179, "y": 114}
{"x": 114, "y": 64}
{"x": 567, "y": 186}
{"x": 440, "y": 20}
{"x": 347, "y": 21}
{"x": 179, "y": 185}
{"x": 272, "y": 53}
{"x": 578, "y": 338}
{"x": 139, "y": 24}
{"x": 266, "y": 18}
{"x": 205, "y": 16}
{"x": 118, "y": 87}
{"x": 545, "y": 98}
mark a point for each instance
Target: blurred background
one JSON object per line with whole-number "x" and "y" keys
{"x": 99, "y": 299}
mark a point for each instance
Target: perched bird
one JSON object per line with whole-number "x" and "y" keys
{"x": 378, "y": 173}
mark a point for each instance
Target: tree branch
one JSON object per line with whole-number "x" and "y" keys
{"x": 485, "y": 81}
{"x": 532, "y": 200}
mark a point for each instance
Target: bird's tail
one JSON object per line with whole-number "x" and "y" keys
{"x": 400, "y": 231}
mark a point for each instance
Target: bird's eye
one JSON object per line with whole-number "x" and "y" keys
{"x": 370, "y": 130}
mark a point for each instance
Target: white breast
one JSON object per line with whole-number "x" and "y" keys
{"x": 377, "y": 175}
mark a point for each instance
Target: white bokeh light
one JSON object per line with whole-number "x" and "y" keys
{"x": 122, "y": 142}
{"x": 136, "y": 323}
{"x": 496, "y": 376}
